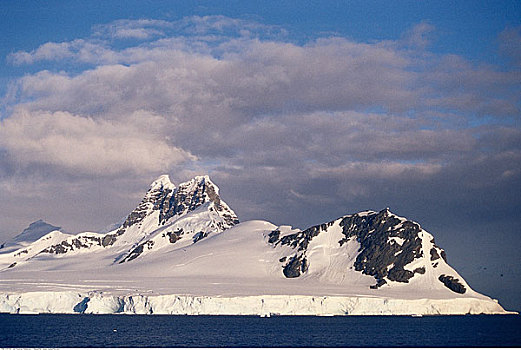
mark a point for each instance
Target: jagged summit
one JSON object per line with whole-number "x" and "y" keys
{"x": 194, "y": 193}
{"x": 167, "y": 214}
{"x": 171, "y": 202}
{"x": 187, "y": 214}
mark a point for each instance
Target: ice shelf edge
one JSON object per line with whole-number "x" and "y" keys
{"x": 72, "y": 302}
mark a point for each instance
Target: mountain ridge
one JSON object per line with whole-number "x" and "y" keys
{"x": 185, "y": 238}
{"x": 162, "y": 204}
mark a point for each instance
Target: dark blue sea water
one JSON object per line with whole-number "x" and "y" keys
{"x": 251, "y": 331}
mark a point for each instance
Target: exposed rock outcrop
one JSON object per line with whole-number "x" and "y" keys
{"x": 388, "y": 244}
{"x": 453, "y": 284}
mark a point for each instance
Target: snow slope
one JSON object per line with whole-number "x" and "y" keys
{"x": 183, "y": 251}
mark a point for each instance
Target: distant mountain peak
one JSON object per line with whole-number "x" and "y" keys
{"x": 37, "y": 229}
{"x": 32, "y": 233}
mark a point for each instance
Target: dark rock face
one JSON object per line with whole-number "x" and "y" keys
{"x": 25, "y": 251}
{"x": 60, "y": 248}
{"x": 295, "y": 267}
{"x": 378, "y": 284}
{"x": 434, "y": 254}
{"x": 302, "y": 239}
{"x": 420, "y": 270}
{"x": 453, "y": 284}
{"x": 137, "y": 251}
{"x": 400, "y": 275}
{"x": 133, "y": 254}
{"x": 191, "y": 195}
{"x": 199, "y": 235}
{"x": 182, "y": 201}
{"x": 174, "y": 236}
{"x": 297, "y": 264}
{"x": 84, "y": 241}
{"x": 108, "y": 240}
{"x": 273, "y": 237}
{"x": 155, "y": 199}
{"x": 380, "y": 256}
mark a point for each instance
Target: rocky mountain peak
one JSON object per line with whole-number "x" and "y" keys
{"x": 162, "y": 202}
{"x": 170, "y": 201}
{"x": 160, "y": 191}
{"x": 175, "y": 208}
{"x": 389, "y": 247}
{"x": 192, "y": 194}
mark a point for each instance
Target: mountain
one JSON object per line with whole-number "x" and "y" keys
{"x": 33, "y": 232}
{"x": 183, "y": 250}
{"x": 166, "y": 214}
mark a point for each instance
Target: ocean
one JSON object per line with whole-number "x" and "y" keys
{"x": 252, "y": 331}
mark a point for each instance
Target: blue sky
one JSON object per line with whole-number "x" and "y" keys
{"x": 300, "y": 111}
{"x": 468, "y": 28}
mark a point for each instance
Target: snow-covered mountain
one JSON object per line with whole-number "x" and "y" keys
{"x": 166, "y": 215}
{"x": 182, "y": 250}
{"x": 33, "y": 232}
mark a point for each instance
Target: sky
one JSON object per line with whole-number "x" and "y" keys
{"x": 300, "y": 111}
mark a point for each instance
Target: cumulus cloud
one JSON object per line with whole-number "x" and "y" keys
{"x": 83, "y": 145}
{"x": 47, "y": 51}
{"x": 150, "y": 39}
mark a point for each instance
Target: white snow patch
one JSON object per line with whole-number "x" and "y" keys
{"x": 397, "y": 240}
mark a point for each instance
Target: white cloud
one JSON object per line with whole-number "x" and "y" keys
{"x": 47, "y": 51}
{"x": 419, "y": 36}
{"x": 327, "y": 122}
{"x": 86, "y": 146}
{"x": 132, "y": 29}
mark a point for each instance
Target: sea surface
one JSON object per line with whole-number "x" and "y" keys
{"x": 253, "y": 331}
